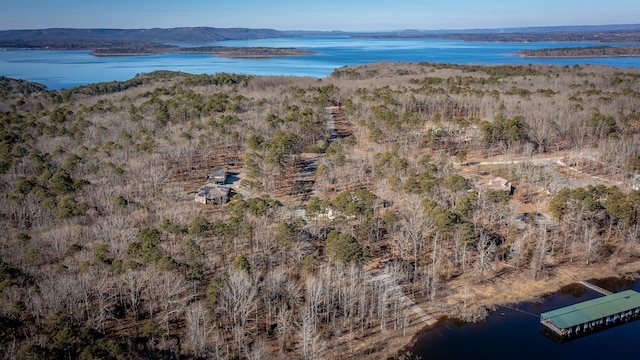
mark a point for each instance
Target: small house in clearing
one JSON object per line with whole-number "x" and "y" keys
{"x": 218, "y": 176}
{"x": 213, "y": 194}
{"x": 500, "y": 184}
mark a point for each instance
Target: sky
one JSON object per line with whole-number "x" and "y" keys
{"x": 348, "y": 15}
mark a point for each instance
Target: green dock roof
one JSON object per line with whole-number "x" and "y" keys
{"x": 595, "y": 309}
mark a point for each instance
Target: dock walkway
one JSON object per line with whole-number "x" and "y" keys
{"x": 596, "y": 288}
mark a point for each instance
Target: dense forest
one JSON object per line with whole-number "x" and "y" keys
{"x": 361, "y": 206}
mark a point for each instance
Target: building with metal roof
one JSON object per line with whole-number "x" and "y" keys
{"x": 593, "y": 314}
{"x": 218, "y": 176}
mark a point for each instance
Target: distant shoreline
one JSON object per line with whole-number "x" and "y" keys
{"x": 581, "y": 52}
{"x": 226, "y": 52}
{"x": 574, "y": 57}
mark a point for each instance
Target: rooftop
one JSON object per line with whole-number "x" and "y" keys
{"x": 218, "y": 175}
{"x": 595, "y": 309}
{"x": 499, "y": 184}
{"x": 214, "y": 190}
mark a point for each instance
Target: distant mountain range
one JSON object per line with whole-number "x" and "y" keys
{"x": 187, "y": 34}
{"x": 520, "y": 30}
{"x": 546, "y": 29}
{"x": 602, "y": 33}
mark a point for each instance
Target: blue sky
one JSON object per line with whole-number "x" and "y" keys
{"x": 315, "y": 15}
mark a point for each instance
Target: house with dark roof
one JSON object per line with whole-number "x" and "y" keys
{"x": 213, "y": 194}
{"x": 500, "y": 184}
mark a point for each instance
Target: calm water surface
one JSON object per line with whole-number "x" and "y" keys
{"x": 66, "y": 69}
{"x": 514, "y": 334}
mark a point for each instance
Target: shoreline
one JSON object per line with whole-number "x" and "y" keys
{"x": 581, "y": 52}
{"x": 230, "y": 53}
{"x": 491, "y": 294}
{"x": 216, "y": 54}
{"x": 574, "y": 56}
{"x": 222, "y": 52}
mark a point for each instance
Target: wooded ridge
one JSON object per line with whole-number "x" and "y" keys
{"x": 603, "y": 33}
{"x": 362, "y": 205}
{"x": 180, "y": 34}
{"x": 588, "y": 51}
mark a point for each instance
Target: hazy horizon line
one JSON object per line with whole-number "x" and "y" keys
{"x": 332, "y": 30}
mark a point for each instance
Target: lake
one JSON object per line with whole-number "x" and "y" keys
{"x": 67, "y": 69}
{"x": 514, "y": 332}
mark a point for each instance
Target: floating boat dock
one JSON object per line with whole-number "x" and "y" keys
{"x": 592, "y": 315}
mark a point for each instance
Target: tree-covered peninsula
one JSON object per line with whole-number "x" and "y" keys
{"x": 582, "y": 52}
{"x": 139, "y": 47}
{"x": 350, "y": 212}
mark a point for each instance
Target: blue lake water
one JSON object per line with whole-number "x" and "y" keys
{"x": 66, "y": 69}
{"x": 514, "y": 333}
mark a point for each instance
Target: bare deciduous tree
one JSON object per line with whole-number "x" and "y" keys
{"x": 238, "y": 303}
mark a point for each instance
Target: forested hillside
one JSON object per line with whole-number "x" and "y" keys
{"x": 589, "y": 51}
{"x": 361, "y": 206}
{"x": 186, "y": 34}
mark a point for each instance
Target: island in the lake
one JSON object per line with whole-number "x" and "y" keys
{"x": 220, "y": 51}
{"x": 144, "y": 47}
